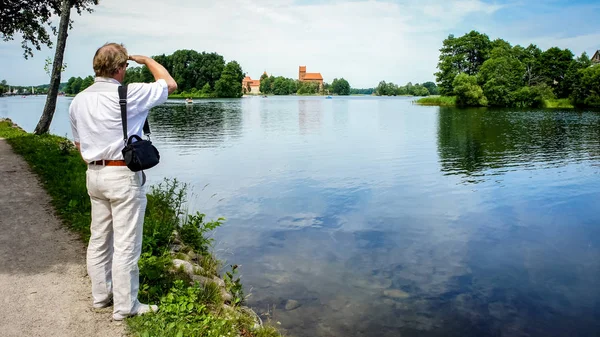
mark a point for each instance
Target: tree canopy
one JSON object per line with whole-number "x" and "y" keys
{"x": 391, "y": 89}
{"x": 509, "y": 75}
{"x": 195, "y": 73}
{"x": 31, "y": 19}
{"x": 340, "y": 86}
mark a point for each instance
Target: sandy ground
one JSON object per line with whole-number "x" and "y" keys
{"x": 44, "y": 288}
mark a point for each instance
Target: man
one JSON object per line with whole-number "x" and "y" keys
{"x": 117, "y": 194}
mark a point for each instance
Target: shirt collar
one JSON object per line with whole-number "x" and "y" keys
{"x": 107, "y": 80}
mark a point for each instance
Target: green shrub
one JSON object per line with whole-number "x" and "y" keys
{"x": 468, "y": 92}
{"x": 194, "y": 231}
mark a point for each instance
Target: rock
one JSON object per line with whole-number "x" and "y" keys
{"x": 193, "y": 256}
{"x": 188, "y": 267}
{"x": 219, "y": 282}
{"x": 201, "y": 279}
{"x": 292, "y": 305}
{"x": 175, "y": 248}
{"x": 395, "y": 294}
{"x": 227, "y": 297}
{"x": 176, "y": 241}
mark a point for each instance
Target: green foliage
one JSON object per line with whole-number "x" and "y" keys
{"x": 366, "y": 91}
{"x": 230, "y": 83}
{"x": 587, "y": 87}
{"x": 340, "y": 86}
{"x": 513, "y": 76}
{"x": 183, "y": 312}
{"x": 501, "y": 75}
{"x": 386, "y": 89}
{"x": 308, "y": 88}
{"x": 391, "y": 89}
{"x": 163, "y": 211}
{"x": 282, "y": 86}
{"x": 460, "y": 55}
{"x": 266, "y": 331}
{"x": 554, "y": 64}
{"x": 432, "y": 88}
{"x": 194, "y": 232}
{"x": 561, "y": 103}
{"x": 467, "y": 91}
{"x": 31, "y": 19}
{"x": 3, "y": 87}
{"x": 266, "y": 84}
{"x": 233, "y": 285}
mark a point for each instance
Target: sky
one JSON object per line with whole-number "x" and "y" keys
{"x": 363, "y": 41}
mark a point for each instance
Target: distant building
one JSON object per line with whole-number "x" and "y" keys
{"x": 303, "y": 76}
{"x": 596, "y": 57}
{"x": 250, "y": 86}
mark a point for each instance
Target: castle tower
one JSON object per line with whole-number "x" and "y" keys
{"x": 301, "y": 73}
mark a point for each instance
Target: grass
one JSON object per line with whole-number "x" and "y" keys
{"x": 186, "y": 308}
{"x": 564, "y": 103}
{"x": 437, "y": 101}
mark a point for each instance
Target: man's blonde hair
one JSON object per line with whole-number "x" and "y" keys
{"x": 109, "y": 58}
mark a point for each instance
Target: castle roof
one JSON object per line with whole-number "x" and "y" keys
{"x": 253, "y": 83}
{"x": 313, "y": 76}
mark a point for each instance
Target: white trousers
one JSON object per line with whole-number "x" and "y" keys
{"x": 118, "y": 206}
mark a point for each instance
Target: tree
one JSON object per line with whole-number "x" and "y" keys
{"x": 419, "y": 90}
{"x": 432, "y": 88}
{"x": 467, "y": 91}
{"x": 266, "y": 84}
{"x": 501, "y": 75}
{"x": 340, "y": 87}
{"x": 554, "y": 65}
{"x": 587, "y": 88}
{"x": 308, "y": 88}
{"x": 230, "y": 83}
{"x": 3, "y": 87}
{"x": 29, "y": 18}
{"x": 461, "y": 55}
{"x": 88, "y": 81}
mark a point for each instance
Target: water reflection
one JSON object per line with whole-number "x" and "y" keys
{"x": 478, "y": 142}
{"x": 202, "y": 124}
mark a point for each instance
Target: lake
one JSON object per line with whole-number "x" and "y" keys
{"x": 373, "y": 217}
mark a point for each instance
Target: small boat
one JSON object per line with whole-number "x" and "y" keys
{"x": 189, "y": 101}
{"x": 328, "y": 97}
{"x": 265, "y": 96}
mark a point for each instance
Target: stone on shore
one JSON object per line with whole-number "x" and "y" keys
{"x": 292, "y": 305}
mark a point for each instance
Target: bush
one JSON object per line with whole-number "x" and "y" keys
{"x": 468, "y": 92}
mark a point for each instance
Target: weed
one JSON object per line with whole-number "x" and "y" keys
{"x": 233, "y": 284}
{"x": 193, "y": 232}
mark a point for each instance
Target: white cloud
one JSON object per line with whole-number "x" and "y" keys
{"x": 362, "y": 41}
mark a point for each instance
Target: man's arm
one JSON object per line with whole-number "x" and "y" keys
{"x": 158, "y": 71}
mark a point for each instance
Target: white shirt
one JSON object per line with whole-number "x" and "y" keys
{"x": 96, "y": 116}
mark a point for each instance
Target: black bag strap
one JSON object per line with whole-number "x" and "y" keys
{"x": 123, "y": 104}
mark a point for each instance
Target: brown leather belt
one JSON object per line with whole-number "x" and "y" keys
{"x": 105, "y": 162}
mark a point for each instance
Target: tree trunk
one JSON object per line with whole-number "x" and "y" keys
{"x": 65, "y": 16}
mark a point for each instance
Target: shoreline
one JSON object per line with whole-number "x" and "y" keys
{"x": 450, "y": 101}
{"x": 177, "y": 265}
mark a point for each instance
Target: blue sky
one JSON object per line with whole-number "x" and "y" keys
{"x": 362, "y": 41}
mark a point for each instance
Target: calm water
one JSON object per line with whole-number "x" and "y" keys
{"x": 382, "y": 218}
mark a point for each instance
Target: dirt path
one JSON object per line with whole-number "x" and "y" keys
{"x": 44, "y": 290}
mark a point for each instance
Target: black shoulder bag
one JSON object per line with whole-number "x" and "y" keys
{"x": 139, "y": 154}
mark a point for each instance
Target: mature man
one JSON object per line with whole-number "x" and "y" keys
{"x": 117, "y": 194}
